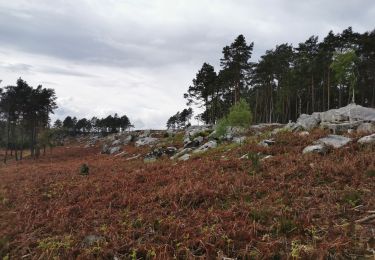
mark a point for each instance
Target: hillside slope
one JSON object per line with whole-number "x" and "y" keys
{"x": 214, "y": 205}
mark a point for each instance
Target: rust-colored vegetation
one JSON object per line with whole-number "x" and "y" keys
{"x": 214, "y": 205}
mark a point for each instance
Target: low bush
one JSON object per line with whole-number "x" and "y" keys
{"x": 239, "y": 116}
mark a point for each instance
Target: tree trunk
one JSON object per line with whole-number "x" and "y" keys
{"x": 312, "y": 94}
{"x": 328, "y": 88}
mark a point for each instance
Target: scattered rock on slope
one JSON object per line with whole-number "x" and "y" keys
{"x": 337, "y": 120}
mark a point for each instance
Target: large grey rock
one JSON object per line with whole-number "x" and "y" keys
{"x": 116, "y": 143}
{"x": 261, "y": 127}
{"x": 105, "y": 148}
{"x": 198, "y": 139}
{"x": 196, "y": 130}
{"x": 127, "y": 139}
{"x": 192, "y": 144}
{"x": 370, "y": 139}
{"x": 145, "y": 141}
{"x": 235, "y": 131}
{"x": 187, "y": 140}
{"x": 336, "y": 141}
{"x": 317, "y": 148}
{"x": 366, "y": 128}
{"x": 308, "y": 122}
{"x": 184, "y": 157}
{"x": 239, "y": 140}
{"x": 170, "y": 150}
{"x": 182, "y": 152}
{"x": 209, "y": 145}
{"x": 338, "y": 128}
{"x": 115, "y": 149}
{"x": 351, "y": 112}
{"x": 154, "y": 155}
{"x": 145, "y": 133}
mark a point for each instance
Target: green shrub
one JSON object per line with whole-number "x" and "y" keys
{"x": 370, "y": 173}
{"x": 286, "y": 225}
{"x": 255, "y": 161}
{"x": 352, "y": 197}
{"x": 239, "y": 115}
{"x": 84, "y": 170}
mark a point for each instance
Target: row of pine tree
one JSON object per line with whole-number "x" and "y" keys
{"x": 288, "y": 81}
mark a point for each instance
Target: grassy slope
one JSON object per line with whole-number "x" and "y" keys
{"x": 290, "y": 205}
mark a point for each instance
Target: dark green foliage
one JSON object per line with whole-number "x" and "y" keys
{"x": 239, "y": 116}
{"x": 255, "y": 161}
{"x": 25, "y": 113}
{"x": 352, "y": 197}
{"x": 260, "y": 215}
{"x": 370, "y": 173}
{"x": 84, "y": 169}
{"x": 288, "y": 81}
{"x": 180, "y": 119}
{"x": 109, "y": 124}
{"x": 286, "y": 225}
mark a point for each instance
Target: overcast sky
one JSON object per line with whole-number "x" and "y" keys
{"x": 138, "y": 57}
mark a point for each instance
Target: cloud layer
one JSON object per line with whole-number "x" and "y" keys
{"x": 137, "y": 57}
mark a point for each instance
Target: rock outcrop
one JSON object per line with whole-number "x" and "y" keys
{"x": 339, "y": 120}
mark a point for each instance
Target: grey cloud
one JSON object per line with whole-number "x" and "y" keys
{"x": 143, "y": 54}
{"x": 16, "y": 67}
{"x": 65, "y": 71}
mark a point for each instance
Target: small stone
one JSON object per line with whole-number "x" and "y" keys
{"x": 92, "y": 240}
{"x": 113, "y": 150}
{"x": 318, "y": 148}
{"x": 304, "y": 133}
{"x": 267, "y": 142}
{"x": 184, "y": 157}
{"x": 206, "y": 146}
{"x": 239, "y": 140}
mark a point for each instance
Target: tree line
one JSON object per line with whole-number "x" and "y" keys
{"x": 180, "y": 119}
{"x": 25, "y": 121}
{"x": 109, "y": 124}
{"x": 288, "y": 81}
{"x": 24, "y": 117}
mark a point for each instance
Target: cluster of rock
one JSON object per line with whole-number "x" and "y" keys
{"x": 113, "y": 144}
{"x": 322, "y": 145}
{"x": 196, "y": 140}
{"x": 159, "y": 152}
{"x": 345, "y": 119}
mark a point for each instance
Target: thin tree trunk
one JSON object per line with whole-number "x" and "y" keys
{"x": 328, "y": 89}
{"x": 7, "y": 145}
{"x": 312, "y": 94}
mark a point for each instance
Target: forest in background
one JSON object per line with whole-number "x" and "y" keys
{"x": 288, "y": 80}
